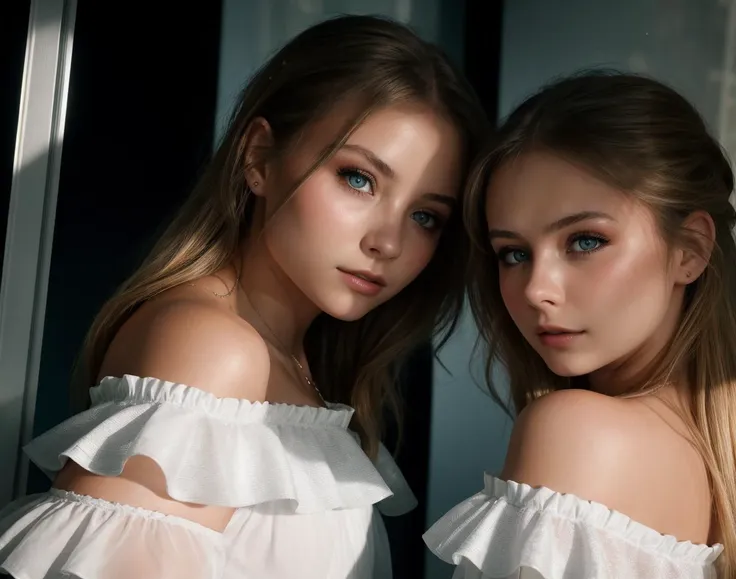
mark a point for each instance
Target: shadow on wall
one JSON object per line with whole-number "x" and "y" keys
{"x": 470, "y": 432}
{"x": 13, "y": 35}
{"x": 138, "y": 131}
{"x": 253, "y": 30}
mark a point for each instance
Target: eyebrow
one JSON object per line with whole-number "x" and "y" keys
{"x": 387, "y": 171}
{"x": 440, "y": 198}
{"x": 373, "y": 159}
{"x": 555, "y": 226}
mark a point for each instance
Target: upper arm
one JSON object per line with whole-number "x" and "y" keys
{"x": 574, "y": 442}
{"x": 184, "y": 342}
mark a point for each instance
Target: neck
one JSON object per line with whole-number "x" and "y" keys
{"x": 273, "y": 305}
{"x": 630, "y": 373}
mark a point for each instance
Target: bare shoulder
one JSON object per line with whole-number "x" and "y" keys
{"x": 566, "y": 440}
{"x": 617, "y": 452}
{"x": 189, "y": 338}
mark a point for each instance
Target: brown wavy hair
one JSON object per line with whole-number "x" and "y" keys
{"x": 642, "y": 137}
{"x": 369, "y": 60}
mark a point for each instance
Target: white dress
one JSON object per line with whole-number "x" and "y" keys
{"x": 306, "y": 495}
{"x": 513, "y": 531}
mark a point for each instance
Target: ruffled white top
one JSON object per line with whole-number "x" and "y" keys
{"x": 306, "y": 495}
{"x": 513, "y": 531}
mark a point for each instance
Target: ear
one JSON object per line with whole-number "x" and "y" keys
{"x": 257, "y": 143}
{"x": 694, "y": 255}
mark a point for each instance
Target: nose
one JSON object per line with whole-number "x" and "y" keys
{"x": 545, "y": 287}
{"x": 383, "y": 240}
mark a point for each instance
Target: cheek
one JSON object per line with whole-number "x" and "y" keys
{"x": 333, "y": 206}
{"x": 633, "y": 282}
{"x": 422, "y": 253}
{"x": 512, "y": 288}
{"x": 419, "y": 248}
{"x": 311, "y": 203}
{"x": 319, "y": 212}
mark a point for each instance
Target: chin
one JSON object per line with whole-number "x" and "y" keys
{"x": 345, "y": 315}
{"x": 569, "y": 368}
{"x": 348, "y": 312}
{"x": 348, "y": 306}
{"x": 349, "y": 317}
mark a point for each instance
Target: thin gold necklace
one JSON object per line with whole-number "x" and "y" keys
{"x": 229, "y": 293}
{"x": 285, "y": 350}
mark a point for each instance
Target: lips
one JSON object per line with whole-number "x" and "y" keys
{"x": 366, "y": 275}
{"x": 556, "y": 331}
{"x": 558, "y": 338}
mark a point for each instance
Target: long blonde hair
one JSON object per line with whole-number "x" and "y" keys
{"x": 643, "y": 138}
{"x": 375, "y": 62}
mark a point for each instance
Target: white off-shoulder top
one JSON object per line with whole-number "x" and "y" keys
{"x": 306, "y": 496}
{"x": 513, "y": 531}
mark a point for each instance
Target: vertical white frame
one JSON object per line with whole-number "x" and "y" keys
{"x": 30, "y": 229}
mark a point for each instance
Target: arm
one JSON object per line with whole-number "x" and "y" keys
{"x": 186, "y": 342}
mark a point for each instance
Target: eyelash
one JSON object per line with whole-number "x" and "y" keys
{"x": 345, "y": 172}
{"x": 590, "y": 235}
{"x": 603, "y": 241}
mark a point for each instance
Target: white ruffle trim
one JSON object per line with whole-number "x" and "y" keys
{"x": 61, "y": 534}
{"x": 511, "y": 526}
{"x": 402, "y": 499}
{"x": 221, "y": 451}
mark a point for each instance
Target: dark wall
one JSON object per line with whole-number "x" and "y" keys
{"x": 13, "y": 33}
{"x": 405, "y": 532}
{"x": 483, "y": 35}
{"x": 139, "y": 128}
{"x": 480, "y": 60}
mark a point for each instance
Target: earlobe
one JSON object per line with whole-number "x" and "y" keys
{"x": 257, "y": 143}
{"x": 698, "y": 247}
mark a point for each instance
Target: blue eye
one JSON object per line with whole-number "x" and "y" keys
{"x": 587, "y": 243}
{"x": 513, "y": 256}
{"x": 425, "y": 219}
{"x": 356, "y": 180}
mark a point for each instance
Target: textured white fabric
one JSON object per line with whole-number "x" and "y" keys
{"x": 305, "y": 494}
{"x": 513, "y": 531}
{"x": 61, "y": 534}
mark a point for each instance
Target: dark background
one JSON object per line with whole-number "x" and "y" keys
{"x": 140, "y": 124}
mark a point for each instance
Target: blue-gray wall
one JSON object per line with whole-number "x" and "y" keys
{"x": 680, "y": 42}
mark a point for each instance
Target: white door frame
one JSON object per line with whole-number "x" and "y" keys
{"x": 30, "y": 232}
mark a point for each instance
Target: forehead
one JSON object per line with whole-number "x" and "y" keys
{"x": 540, "y": 187}
{"x": 404, "y": 120}
{"x": 412, "y": 138}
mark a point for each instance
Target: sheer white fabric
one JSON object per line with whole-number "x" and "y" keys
{"x": 305, "y": 494}
{"x": 61, "y": 534}
{"x": 513, "y": 531}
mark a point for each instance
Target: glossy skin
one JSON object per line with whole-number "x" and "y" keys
{"x": 578, "y": 256}
{"x": 383, "y": 218}
{"x": 592, "y": 286}
{"x": 377, "y": 207}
